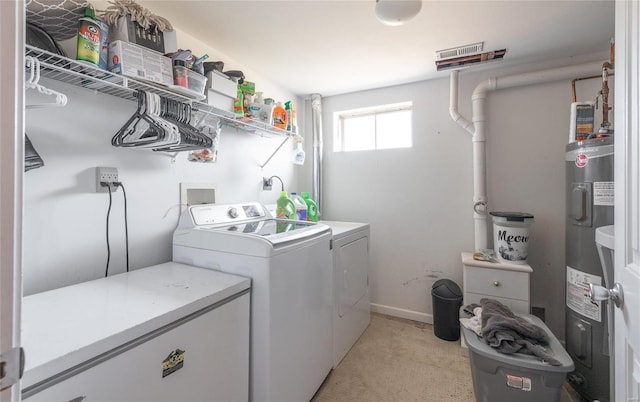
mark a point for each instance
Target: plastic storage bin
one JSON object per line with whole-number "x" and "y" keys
{"x": 447, "y": 299}
{"x": 197, "y": 82}
{"x": 501, "y": 377}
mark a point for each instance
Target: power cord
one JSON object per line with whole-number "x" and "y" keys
{"x": 281, "y": 182}
{"x": 106, "y": 272}
{"x": 126, "y": 222}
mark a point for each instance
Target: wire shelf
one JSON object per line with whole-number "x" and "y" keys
{"x": 86, "y": 75}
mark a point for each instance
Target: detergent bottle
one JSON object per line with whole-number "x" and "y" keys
{"x": 312, "y": 208}
{"x": 301, "y": 206}
{"x": 280, "y": 116}
{"x": 285, "y": 209}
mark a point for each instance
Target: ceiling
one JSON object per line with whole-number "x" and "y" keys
{"x": 335, "y": 46}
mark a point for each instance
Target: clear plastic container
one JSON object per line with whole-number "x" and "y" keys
{"x": 301, "y": 206}
{"x": 180, "y": 76}
{"x": 196, "y": 82}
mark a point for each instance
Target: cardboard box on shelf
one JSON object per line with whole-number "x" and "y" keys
{"x": 221, "y": 91}
{"x": 130, "y": 31}
{"x": 139, "y": 62}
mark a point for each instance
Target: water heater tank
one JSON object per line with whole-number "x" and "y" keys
{"x": 589, "y": 205}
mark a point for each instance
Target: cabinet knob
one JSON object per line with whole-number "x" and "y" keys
{"x": 496, "y": 283}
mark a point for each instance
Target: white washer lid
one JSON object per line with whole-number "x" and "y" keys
{"x": 605, "y": 237}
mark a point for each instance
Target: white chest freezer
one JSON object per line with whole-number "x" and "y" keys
{"x": 164, "y": 333}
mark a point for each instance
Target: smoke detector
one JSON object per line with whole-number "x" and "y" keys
{"x": 459, "y": 51}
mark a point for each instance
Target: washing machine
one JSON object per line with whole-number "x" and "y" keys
{"x": 351, "y": 311}
{"x": 289, "y": 263}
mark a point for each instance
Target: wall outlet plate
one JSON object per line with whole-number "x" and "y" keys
{"x": 267, "y": 183}
{"x": 106, "y": 175}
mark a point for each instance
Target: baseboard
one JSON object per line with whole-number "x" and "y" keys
{"x": 402, "y": 313}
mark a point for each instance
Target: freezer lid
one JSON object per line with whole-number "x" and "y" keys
{"x": 64, "y": 327}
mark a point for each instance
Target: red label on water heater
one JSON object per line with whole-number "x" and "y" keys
{"x": 581, "y": 160}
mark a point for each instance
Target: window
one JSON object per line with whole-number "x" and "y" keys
{"x": 378, "y": 127}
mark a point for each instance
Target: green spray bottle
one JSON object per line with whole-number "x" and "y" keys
{"x": 312, "y": 208}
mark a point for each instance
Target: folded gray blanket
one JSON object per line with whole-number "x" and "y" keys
{"x": 509, "y": 334}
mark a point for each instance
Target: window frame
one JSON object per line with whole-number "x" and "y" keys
{"x": 341, "y": 116}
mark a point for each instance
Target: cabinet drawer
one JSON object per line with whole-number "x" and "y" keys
{"x": 517, "y": 306}
{"x": 497, "y": 283}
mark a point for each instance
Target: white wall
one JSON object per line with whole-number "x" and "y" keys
{"x": 419, "y": 200}
{"x": 64, "y": 217}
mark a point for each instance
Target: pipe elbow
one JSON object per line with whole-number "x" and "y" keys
{"x": 480, "y": 92}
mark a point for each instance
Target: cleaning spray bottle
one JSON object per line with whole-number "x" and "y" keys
{"x": 287, "y": 108}
{"x": 312, "y": 208}
{"x": 297, "y": 156}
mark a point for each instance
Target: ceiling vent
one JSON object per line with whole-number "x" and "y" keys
{"x": 460, "y": 51}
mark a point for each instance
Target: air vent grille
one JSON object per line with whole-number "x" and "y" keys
{"x": 459, "y": 51}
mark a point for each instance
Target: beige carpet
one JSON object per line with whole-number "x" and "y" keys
{"x": 401, "y": 360}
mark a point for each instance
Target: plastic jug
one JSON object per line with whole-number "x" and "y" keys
{"x": 301, "y": 206}
{"x": 280, "y": 117}
{"x": 285, "y": 209}
{"x": 312, "y": 208}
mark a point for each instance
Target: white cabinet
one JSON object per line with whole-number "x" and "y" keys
{"x": 507, "y": 283}
{"x": 164, "y": 333}
{"x": 351, "y": 312}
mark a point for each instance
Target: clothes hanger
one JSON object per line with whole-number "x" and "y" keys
{"x": 33, "y": 83}
{"x": 140, "y": 129}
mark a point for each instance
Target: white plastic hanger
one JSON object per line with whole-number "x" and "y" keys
{"x": 33, "y": 83}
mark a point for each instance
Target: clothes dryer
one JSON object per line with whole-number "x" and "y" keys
{"x": 351, "y": 311}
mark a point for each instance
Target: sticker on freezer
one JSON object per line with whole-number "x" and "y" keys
{"x": 173, "y": 362}
{"x": 578, "y": 298}
{"x": 603, "y": 193}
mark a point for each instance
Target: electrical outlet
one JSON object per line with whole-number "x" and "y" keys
{"x": 267, "y": 183}
{"x": 106, "y": 175}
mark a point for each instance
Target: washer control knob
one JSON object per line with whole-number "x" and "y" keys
{"x": 233, "y": 213}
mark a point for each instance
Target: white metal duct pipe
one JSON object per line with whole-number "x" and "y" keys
{"x": 316, "y": 128}
{"x": 478, "y": 129}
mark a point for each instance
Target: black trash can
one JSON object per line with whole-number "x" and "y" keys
{"x": 447, "y": 299}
